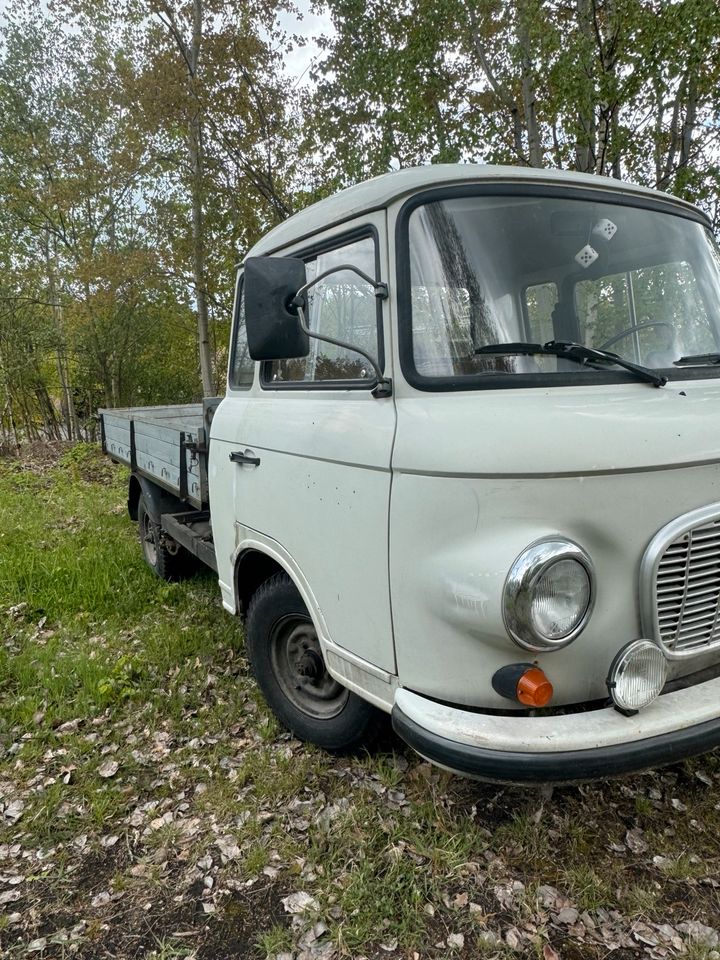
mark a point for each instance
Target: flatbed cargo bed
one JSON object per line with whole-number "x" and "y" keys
{"x": 166, "y": 444}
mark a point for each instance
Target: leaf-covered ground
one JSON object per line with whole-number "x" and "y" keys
{"x": 150, "y": 806}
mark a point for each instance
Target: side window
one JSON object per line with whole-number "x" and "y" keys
{"x": 342, "y": 306}
{"x": 242, "y": 366}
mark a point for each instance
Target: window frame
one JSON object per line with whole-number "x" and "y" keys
{"x": 524, "y": 304}
{"x": 241, "y": 388}
{"x": 515, "y": 381}
{"x": 310, "y": 252}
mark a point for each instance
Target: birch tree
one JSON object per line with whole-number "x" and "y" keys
{"x": 213, "y": 108}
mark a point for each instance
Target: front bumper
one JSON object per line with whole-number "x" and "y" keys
{"x": 561, "y": 749}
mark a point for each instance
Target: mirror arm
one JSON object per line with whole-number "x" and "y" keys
{"x": 380, "y": 289}
{"x": 383, "y": 387}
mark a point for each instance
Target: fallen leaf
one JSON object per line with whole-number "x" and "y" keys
{"x": 506, "y": 893}
{"x": 568, "y": 915}
{"x": 300, "y": 902}
{"x": 634, "y": 840}
{"x": 699, "y": 932}
{"x": 70, "y": 726}
{"x": 13, "y": 810}
{"x": 512, "y": 938}
{"x": 228, "y": 847}
{"x": 108, "y": 769}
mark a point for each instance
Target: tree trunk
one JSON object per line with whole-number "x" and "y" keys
{"x": 190, "y": 53}
{"x": 690, "y": 120}
{"x": 607, "y": 149}
{"x": 198, "y": 244}
{"x": 669, "y": 168}
{"x": 585, "y": 146}
{"x": 535, "y": 152}
{"x": 9, "y": 403}
{"x": 503, "y": 94}
{"x": 67, "y": 405}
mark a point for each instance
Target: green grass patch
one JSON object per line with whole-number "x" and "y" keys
{"x": 156, "y": 784}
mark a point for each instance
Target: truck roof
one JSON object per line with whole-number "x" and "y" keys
{"x": 380, "y": 192}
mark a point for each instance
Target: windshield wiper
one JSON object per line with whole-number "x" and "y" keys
{"x": 698, "y": 358}
{"x": 578, "y": 353}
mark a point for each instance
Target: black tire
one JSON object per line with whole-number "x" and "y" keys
{"x": 286, "y": 660}
{"x": 168, "y": 563}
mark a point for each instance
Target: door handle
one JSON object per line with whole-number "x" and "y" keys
{"x": 237, "y": 456}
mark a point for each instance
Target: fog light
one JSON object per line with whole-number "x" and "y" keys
{"x": 637, "y": 675}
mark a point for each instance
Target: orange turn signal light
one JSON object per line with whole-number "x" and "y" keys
{"x": 533, "y": 688}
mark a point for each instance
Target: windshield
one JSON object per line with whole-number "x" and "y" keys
{"x": 485, "y": 270}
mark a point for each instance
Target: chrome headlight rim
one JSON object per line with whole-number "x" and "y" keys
{"x": 524, "y": 574}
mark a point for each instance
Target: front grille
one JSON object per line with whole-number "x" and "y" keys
{"x": 687, "y": 590}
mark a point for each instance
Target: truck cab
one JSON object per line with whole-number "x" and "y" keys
{"x": 467, "y": 471}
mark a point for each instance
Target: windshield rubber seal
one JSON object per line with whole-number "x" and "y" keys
{"x": 517, "y": 381}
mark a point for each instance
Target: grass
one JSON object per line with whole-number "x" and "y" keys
{"x": 165, "y": 813}
{"x": 277, "y": 939}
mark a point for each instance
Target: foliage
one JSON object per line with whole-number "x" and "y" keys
{"x": 146, "y": 144}
{"x": 102, "y": 269}
{"x": 619, "y": 87}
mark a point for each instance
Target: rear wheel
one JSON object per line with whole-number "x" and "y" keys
{"x": 287, "y": 662}
{"x": 165, "y": 558}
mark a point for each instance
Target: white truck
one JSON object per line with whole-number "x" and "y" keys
{"x": 466, "y": 472}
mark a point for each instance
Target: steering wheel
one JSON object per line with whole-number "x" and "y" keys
{"x": 641, "y": 326}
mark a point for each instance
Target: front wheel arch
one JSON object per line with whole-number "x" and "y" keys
{"x": 252, "y": 569}
{"x": 286, "y": 660}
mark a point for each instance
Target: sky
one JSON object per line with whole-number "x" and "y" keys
{"x": 307, "y": 24}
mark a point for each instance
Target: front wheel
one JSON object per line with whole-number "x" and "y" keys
{"x": 287, "y": 662}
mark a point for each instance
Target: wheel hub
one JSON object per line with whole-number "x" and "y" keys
{"x": 310, "y": 665}
{"x": 149, "y": 542}
{"x": 300, "y": 669}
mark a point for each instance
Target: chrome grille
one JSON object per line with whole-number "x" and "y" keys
{"x": 687, "y": 590}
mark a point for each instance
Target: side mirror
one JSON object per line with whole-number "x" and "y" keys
{"x": 273, "y": 329}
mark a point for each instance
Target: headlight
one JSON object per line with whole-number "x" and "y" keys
{"x": 637, "y": 675}
{"x": 549, "y": 595}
